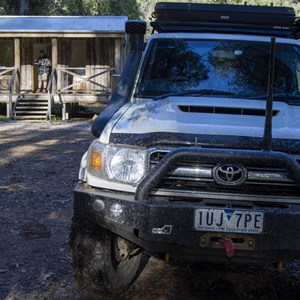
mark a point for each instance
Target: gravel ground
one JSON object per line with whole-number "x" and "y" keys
{"x": 39, "y": 164}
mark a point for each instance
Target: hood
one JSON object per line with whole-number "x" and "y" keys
{"x": 209, "y": 116}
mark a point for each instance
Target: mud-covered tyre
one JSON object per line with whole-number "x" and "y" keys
{"x": 102, "y": 262}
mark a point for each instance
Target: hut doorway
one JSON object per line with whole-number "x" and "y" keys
{"x": 37, "y": 47}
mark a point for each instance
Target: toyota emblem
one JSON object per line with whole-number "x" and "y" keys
{"x": 230, "y": 174}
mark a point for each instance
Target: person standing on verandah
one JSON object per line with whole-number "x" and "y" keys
{"x": 44, "y": 64}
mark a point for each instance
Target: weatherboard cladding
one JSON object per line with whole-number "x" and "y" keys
{"x": 63, "y": 24}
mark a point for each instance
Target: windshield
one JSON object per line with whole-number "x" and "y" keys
{"x": 235, "y": 68}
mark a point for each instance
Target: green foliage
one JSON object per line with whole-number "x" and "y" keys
{"x": 22, "y": 7}
{"x": 134, "y": 9}
{"x": 2, "y": 7}
{"x": 128, "y": 8}
{"x": 147, "y": 6}
{"x": 3, "y": 118}
{"x": 288, "y": 3}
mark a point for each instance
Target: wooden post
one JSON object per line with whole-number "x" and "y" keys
{"x": 123, "y": 53}
{"x": 98, "y": 61}
{"x": 67, "y": 79}
{"x": 17, "y": 53}
{"x": 54, "y": 53}
{"x": 54, "y": 59}
{"x": 117, "y": 58}
{"x": 118, "y": 62}
{"x": 88, "y": 71}
{"x": 8, "y": 108}
{"x": 17, "y": 62}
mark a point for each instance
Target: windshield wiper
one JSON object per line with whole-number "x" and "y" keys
{"x": 194, "y": 93}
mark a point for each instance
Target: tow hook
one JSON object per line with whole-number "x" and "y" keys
{"x": 228, "y": 245}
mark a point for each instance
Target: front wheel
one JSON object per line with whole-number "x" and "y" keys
{"x": 103, "y": 262}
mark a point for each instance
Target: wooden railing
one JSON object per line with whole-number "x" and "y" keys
{"x": 83, "y": 83}
{"x": 10, "y": 83}
{"x": 60, "y": 78}
{"x": 5, "y": 76}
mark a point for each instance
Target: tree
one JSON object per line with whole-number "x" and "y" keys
{"x": 22, "y": 7}
{"x": 128, "y": 8}
{"x": 134, "y": 9}
{"x": 2, "y": 7}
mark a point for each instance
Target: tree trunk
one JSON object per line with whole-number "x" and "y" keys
{"x": 23, "y": 7}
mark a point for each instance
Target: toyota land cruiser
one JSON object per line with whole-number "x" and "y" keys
{"x": 197, "y": 154}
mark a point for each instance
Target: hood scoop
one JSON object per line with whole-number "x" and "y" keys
{"x": 225, "y": 110}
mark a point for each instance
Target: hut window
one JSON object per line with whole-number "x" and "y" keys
{"x": 7, "y": 53}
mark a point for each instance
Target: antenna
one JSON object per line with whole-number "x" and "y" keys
{"x": 267, "y": 139}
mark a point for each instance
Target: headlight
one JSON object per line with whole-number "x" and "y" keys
{"x": 125, "y": 164}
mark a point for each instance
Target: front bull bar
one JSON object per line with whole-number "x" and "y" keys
{"x": 262, "y": 157}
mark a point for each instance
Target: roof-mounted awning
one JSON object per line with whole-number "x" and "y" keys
{"x": 195, "y": 17}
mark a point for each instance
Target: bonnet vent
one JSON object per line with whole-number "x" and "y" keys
{"x": 225, "y": 110}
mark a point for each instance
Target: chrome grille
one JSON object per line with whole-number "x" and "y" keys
{"x": 192, "y": 177}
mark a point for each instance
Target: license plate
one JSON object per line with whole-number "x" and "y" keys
{"x": 229, "y": 220}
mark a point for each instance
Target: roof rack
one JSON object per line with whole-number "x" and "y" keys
{"x": 222, "y": 18}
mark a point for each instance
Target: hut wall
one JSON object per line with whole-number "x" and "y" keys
{"x": 101, "y": 55}
{"x": 100, "y": 60}
{"x": 26, "y": 70}
{"x": 63, "y": 61}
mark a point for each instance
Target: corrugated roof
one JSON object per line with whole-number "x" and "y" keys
{"x": 62, "y": 23}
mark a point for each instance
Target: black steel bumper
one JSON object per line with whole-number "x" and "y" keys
{"x": 161, "y": 225}
{"x": 165, "y": 226}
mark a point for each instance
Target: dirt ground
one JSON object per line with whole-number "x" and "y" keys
{"x": 38, "y": 171}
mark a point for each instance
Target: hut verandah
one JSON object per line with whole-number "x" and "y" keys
{"x": 85, "y": 51}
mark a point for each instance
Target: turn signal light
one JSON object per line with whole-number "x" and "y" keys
{"x": 95, "y": 160}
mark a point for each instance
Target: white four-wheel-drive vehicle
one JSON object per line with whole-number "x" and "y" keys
{"x": 197, "y": 154}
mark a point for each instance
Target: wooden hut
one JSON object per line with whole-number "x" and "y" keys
{"x": 85, "y": 51}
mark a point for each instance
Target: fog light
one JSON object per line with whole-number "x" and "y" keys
{"x": 116, "y": 210}
{"x": 98, "y": 205}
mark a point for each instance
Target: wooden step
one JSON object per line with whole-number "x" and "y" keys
{"x": 32, "y": 104}
{"x": 33, "y": 107}
{"x": 35, "y": 96}
{"x": 33, "y": 100}
{"x": 31, "y": 112}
